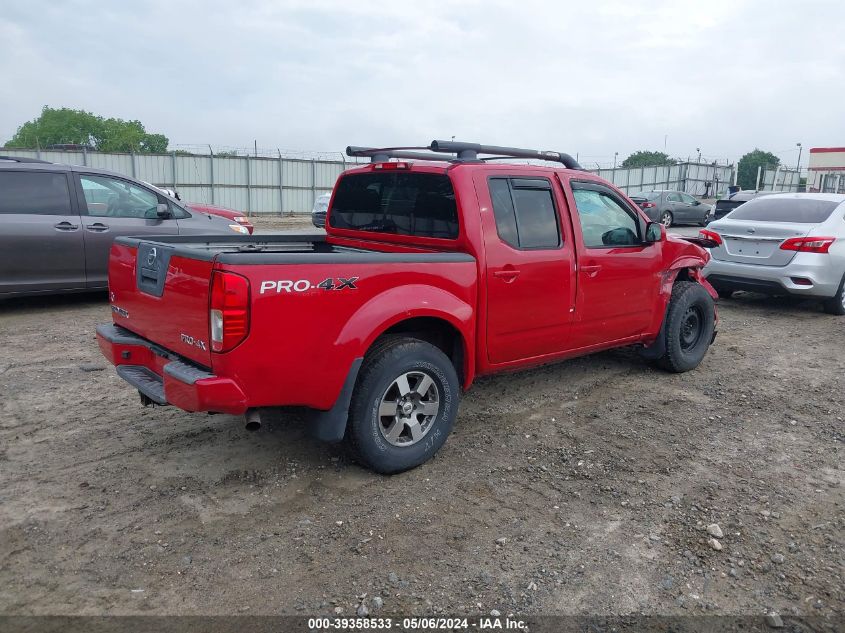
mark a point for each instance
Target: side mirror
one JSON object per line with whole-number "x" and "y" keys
{"x": 653, "y": 232}
{"x": 696, "y": 203}
{"x": 162, "y": 211}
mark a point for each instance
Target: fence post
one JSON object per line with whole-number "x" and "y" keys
{"x": 313, "y": 180}
{"x": 132, "y": 158}
{"x": 85, "y": 157}
{"x": 211, "y": 152}
{"x": 757, "y": 184}
{"x": 173, "y": 168}
{"x": 248, "y": 188}
{"x": 281, "y": 183}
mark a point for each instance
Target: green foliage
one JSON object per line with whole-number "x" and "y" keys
{"x": 746, "y": 176}
{"x": 65, "y": 125}
{"x": 645, "y": 158}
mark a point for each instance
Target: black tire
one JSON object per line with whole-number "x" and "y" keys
{"x": 836, "y": 305}
{"x": 690, "y": 321}
{"x": 378, "y": 382}
{"x": 667, "y": 219}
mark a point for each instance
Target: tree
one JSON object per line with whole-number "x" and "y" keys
{"x": 65, "y": 125}
{"x": 645, "y": 158}
{"x": 746, "y": 176}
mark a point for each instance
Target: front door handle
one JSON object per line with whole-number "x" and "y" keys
{"x": 507, "y": 275}
{"x": 97, "y": 227}
{"x": 591, "y": 269}
{"x": 65, "y": 226}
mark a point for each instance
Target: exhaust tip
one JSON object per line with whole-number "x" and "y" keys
{"x": 253, "y": 420}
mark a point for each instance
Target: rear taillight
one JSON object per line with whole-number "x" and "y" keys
{"x": 388, "y": 166}
{"x": 808, "y": 244}
{"x": 705, "y": 234}
{"x": 648, "y": 205}
{"x": 228, "y": 311}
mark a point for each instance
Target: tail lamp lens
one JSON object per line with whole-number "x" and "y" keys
{"x": 648, "y": 205}
{"x": 808, "y": 244}
{"x": 229, "y": 310}
{"x": 710, "y": 235}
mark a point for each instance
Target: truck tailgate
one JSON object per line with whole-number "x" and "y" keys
{"x": 162, "y": 296}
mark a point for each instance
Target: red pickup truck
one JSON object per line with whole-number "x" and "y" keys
{"x": 436, "y": 267}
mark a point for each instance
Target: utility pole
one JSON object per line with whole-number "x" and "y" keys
{"x": 615, "y": 154}
{"x": 799, "y": 159}
{"x": 698, "y": 149}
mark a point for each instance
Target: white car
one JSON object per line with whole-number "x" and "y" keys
{"x": 782, "y": 244}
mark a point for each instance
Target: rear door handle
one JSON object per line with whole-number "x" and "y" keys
{"x": 506, "y": 275}
{"x": 591, "y": 269}
{"x": 65, "y": 226}
{"x": 97, "y": 227}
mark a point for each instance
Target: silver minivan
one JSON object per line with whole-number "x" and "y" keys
{"x": 57, "y": 223}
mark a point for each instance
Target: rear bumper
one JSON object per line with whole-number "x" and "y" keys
{"x": 165, "y": 377}
{"x": 808, "y": 267}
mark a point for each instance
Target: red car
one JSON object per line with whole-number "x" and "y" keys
{"x": 431, "y": 273}
{"x": 230, "y": 214}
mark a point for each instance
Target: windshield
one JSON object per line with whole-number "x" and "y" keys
{"x": 418, "y": 204}
{"x": 771, "y": 209}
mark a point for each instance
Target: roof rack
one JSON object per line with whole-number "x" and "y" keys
{"x": 21, "y": 159}
{"x": 384, "y": 154}
{"x": 470, "y": 151}
{"x": 459, "y": 152}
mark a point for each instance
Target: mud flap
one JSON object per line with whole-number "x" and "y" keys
{"x": 658, "y": 348}
{"x": 330, "y": 426}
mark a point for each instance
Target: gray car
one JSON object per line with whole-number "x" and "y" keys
{"x": 782, "y": 244}
{"x": 672, "y": 207}
{"x": 57, "y": 223}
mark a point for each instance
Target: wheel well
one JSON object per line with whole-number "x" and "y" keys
{"x": 683, "y": 275}
{"x": 439, "y": 333}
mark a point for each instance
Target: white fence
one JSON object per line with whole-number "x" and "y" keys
{"x": 289, "y": 185}
{"x": 245, "y": 183}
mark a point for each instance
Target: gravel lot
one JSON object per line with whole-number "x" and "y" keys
{"x": 585, "y": 487}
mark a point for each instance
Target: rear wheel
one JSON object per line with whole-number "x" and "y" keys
{"x": 836, "y": 305}
{"x": 690, "y": 322}
{"x": 666, "y": 219}
{"x": 404, "y": 405}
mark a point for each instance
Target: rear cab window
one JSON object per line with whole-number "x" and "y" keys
{"x": 769, "y": 209}
{"x": 525, "y": 212}
{"x": 34, "y": 193}
{"x": 417, "y": 204}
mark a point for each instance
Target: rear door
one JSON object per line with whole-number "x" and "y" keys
{"x": 618, "y": 274}
{"x": 530, "y": 266}
{"x": 112, "y": 207}
{"x": 41, "y": 244}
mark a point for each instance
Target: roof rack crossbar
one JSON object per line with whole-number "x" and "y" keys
{"x": 22, "y": 159}
{"x": 382, "y": 155}
{"x": 470, "y": 151}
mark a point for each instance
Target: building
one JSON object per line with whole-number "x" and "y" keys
{"x": 826, "y": 172}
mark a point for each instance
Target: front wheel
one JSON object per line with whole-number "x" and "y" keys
{"x": 666, "y": 219}
{"x": 836, "y": 305}
{"x": 404, "y": 405}
{"x": 689, "y": 327}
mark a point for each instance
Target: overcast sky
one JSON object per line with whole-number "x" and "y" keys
{"x": 591, "y": 78}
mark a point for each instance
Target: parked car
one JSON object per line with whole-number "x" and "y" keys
{"x": 782, "y": 244}
{"x": 431, "y": 273}
{"x": 726, "y": 204}
{"x": 225, "y": 212}
{"x": 318, "y": 213}
{"x": 57, "y": 224}
{"x": 672, "y": 207}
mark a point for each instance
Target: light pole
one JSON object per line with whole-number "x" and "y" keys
{"x": 615, "y": 154}
{"x": 799, "y": 159}
{"x": 698, "y": 149}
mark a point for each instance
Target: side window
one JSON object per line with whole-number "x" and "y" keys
{"x": 673, "y": 197}
{"x": 525, "y": 212}
{"x": 34, "y": 193}
{"x": 685, "y": 197}
{"x": 605, "y": 222}
{"x": 110, "y": 197}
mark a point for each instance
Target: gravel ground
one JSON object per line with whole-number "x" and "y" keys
{"x": 600, "y": 485}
